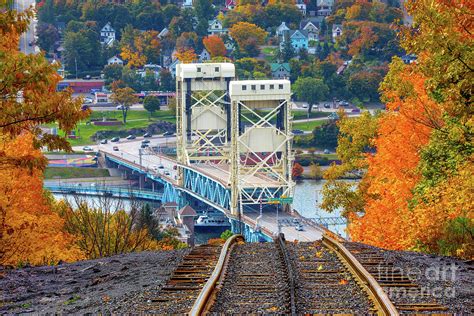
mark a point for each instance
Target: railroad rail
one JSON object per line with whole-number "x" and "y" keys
{"x": 179, "y": 293}
{"x": 407, "y": 296}
{"x": 256, "y": 278}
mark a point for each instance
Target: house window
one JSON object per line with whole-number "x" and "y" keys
{"x": 216, "y": 69}
{"x": 254, "y": 87}
{"x": 244, "y": 87}
{"x": 198, "y": 69}
{"x": 262, "y": 87}
{"x": 272, "y": 87}
{"x": 280, "y": 86}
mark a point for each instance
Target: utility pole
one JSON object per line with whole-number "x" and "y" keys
{"x": 75, "y": 60}
{"x": 140, "y": 156}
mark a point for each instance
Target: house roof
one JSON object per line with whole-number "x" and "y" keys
{"x": 299, "y": 33}
{"x": 170, "y": 204}
{"x": 308, "y": 24}
{"x": 115, "y": 57}
{"x": 107, "y": 26}
{"x": 187, "y": 211}
{"x": 276, "y": 66}
{"x": 337, "y": 26}
{"x": 282, "y": 27}
{"x": 163, "y": 33}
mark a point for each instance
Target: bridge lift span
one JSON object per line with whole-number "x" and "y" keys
{"x": 236, "y": 132}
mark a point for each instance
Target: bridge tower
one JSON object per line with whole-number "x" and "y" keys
{"x": 261, "y": 142}
{"x": 203, "y": 114}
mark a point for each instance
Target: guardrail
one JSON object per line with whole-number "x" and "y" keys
{"x": 204, "y": 301}
{"x": 104, "y": 191}
{"x": 375, "y": 291}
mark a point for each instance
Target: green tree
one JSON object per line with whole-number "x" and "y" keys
{"x": 112, "y": 73}
{"x": 126, "y": 98}
{"x": 151, "y": 104}
{"x": 312, "y": 90}
{"x": 325, "y": 136}
{"x": 48, "y": 35}
{"x": 167, "y": 82}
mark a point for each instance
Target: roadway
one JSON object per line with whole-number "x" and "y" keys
{"x": 29, "y": 35}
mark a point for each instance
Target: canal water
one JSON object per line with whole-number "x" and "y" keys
{"x": 306, "y": 201}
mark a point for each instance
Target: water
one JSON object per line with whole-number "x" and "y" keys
{"x": 306, "y": 201}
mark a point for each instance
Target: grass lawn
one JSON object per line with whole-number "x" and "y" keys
{"x": 308, "y": 126}
{"x": 135, "y": 119}
{"x": 71, "y": 172}
{"x": 301, "y": 115}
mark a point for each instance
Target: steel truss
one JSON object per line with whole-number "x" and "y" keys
{"x": 203, "y": 109}
{"x": 207, "y": 188}
{"x": 274, "y": 166}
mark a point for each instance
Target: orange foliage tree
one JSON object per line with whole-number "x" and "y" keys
{"x": 214, "y": 45}
{"x": 186, "y": 56}
{"x": 29, "y": 230}
{"x": 297, "y": 171}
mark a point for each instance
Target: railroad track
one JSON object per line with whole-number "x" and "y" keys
{"x": 184, "y": 286}
{"x": 407, "y": 296}
{"x": 256, "y": 279}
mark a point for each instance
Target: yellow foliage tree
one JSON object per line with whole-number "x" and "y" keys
{"x": 30, "y": 232}
{"x": 186, "y": 56}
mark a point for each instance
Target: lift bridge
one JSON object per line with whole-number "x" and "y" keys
{"x": 233, "y": 145}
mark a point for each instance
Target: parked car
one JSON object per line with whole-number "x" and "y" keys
{"x": 161, "y": 167}
{"x": 298, "y": 132}
{"x": 333, "y": 116}
{"x": 115, "y": 148}
{"x": 326, "y": 151}
{"x": 88, "y": 100}
{"x": 131, "y": 137}
{"x": 327, "y": 105}
{"x": 145, "y": 141}
{"x": 167, "y": 173}
{"x": 147, "y": 135}
{"x": 168, "y": 134}
{"x": 87, "y": 148}
{"x": 356, "y": 110}
{"x": 104, "y": 141}
{"x": 115, "y": 139}
{"x": 304, "y": 105}
{"x": 299, "y": 228}
{"x": 144, "y": 146}
{"x": 119, "y": 107}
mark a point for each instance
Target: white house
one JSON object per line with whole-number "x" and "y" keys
{"x": 164, "y": 32}
{"x": 114, "y": 61}
{"x": 313, "y": 31}
{"x": 336, "y": 31}
{"x": 216, "y": 28}
{"x": 107, "y": 35}
{"x": 301, "y": 6}
{"x": 187, "y": 3}
{"x": 324, "y": 7}
{"x": 280, "y": 30}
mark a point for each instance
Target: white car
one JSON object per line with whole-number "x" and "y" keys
{"x": 119, "y": 107}
{"x": 304, "y": 106}
{"x": 87, "y": 148}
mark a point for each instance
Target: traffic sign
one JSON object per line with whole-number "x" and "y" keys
{"x": 282, "y": 200}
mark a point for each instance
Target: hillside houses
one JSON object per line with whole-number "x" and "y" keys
{"x": 107, "y": 35}
{"x": 216, "y": 28}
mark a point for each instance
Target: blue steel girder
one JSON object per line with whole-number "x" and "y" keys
{"x": 172, "y": 194}
{"x": 207, "y": 188}
{"x": 261, "y": 194}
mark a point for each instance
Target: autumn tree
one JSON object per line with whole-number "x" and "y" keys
{"x": 214, "y": 45}
{"x": 126, "y": 98}
{"x": 248, "y": 36}
{"x": 143, "y": 48}
{"x": 186, "y": 56}
{"x": 297, "y": 171}
{"x": 415, "y": 194}
{"x": 30, "y": 232}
